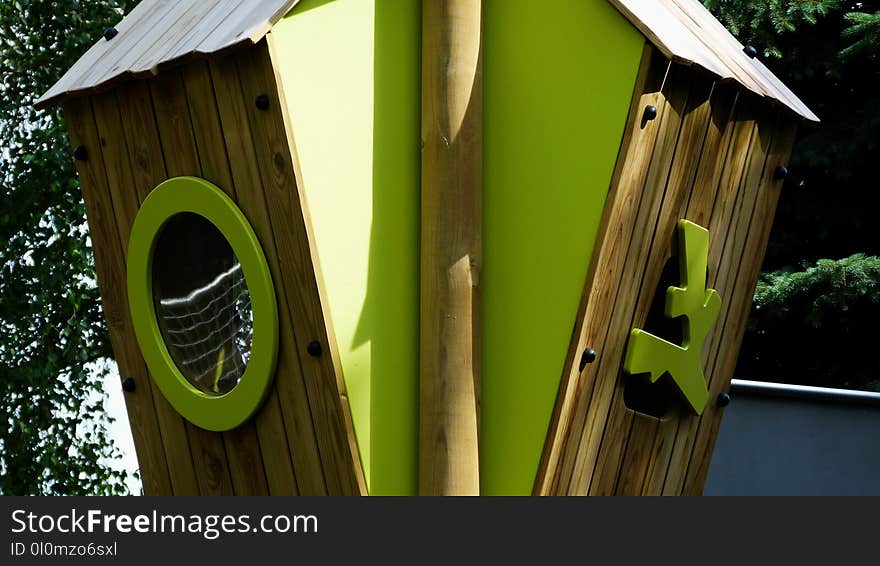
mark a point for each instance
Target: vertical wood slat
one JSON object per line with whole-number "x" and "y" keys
{"x": 110, "y": 267}
{"x": 760, "y": 225}
{"x": 597, "y": 413}
{"x": 242, "y": 445}
{"x": 742, "y": 146}
{"x": 674, "y": 190}
{"x": 307, "y": 303}
{"x": 696, "y": 163}
{"x": 182, "y": 158}
{"x": 451, "y": 247}
{"x": 276, "y": 438}
{"x": 716, "y": 152}
{"x": 706, "y": 164}
{"x": 606, "y": 265}
{"x": 123, "y": 186}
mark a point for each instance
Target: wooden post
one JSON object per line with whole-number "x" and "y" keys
{"x": 452, "y": 169}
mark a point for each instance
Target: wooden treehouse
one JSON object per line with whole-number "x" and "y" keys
{"x": 435, "y": 247}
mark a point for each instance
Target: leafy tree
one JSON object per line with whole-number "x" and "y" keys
{"x": 816, "y": 323}
{"x": 811, "y": 316}
{"x": 53, "y": 342}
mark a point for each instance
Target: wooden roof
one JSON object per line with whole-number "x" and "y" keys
{"x": 160, "y": 33}
{"x": 686, "y": 32}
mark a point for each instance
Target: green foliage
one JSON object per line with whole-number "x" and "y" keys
{"x": 818, "y": 326}
{"x": 761, "y": 23}
{"x": 812, "y": 326}
{"x": 53, "y": 343}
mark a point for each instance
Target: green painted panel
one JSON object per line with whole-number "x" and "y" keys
{"x": 350, "y": 71}
{"x": 559, "y": 78}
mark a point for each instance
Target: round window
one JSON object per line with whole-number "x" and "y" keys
{"x": 202, "y": 303}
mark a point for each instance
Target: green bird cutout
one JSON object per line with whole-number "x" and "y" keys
{"x": 647, "y": 353}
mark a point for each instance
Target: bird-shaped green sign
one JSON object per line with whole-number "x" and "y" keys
{"x": 699, "y": 306}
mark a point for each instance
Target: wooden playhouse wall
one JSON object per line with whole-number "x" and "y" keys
{"x": 709, "y": 156}
{"x": 201, "y": 120}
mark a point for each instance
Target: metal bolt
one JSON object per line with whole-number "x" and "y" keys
{"x": 780, "y": 173}
{"x": 128, "y": 385}
{"x": 650, "y": 114}
{"x": 750, "y": 51}
{"x": 588, "y": 357}
{"x": 263, "y": 102}
{"x": 723, "y": 400}
{"x": 81, "y": 153}
{"x": 110, "y": 33}
{"x": 314, "y": 348}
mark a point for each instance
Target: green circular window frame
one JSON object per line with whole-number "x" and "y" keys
{"x": 194, "y": 195}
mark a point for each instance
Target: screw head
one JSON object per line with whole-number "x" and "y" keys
{"x": 588, "y": 357}
{"x": 314, "y": 348}
{"x": 723, "y": 400}
{"x": 650, "y": 114}
{"x": 80, "y": 153}
{"x": 262, "y": 102}
{"x": 780, "y": 173}
{"x": 750, "y": 51}
{"x": 110, "y": 33}
{"x": 128, "y": 385}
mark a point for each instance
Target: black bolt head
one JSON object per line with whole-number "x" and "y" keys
{"x": 128, "y": 385}
{"x": 723, "y": 400}
{"x": 314, "y": 348}
{"x": 650, "y": 114}
{"x": 780, "y": 173}
{"x": 750, "y": 51}
{"x": 80, "y": 153}
{"x": 263, "y": 102}
{"x": 588, "y": 357}
{"x": 110, "y": 33}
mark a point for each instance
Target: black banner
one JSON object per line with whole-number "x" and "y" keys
{"x": 411, "y": 530}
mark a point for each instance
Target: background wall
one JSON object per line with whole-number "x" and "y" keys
{"x": 798, "y": 444}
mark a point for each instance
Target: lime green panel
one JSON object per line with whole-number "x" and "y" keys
{"x": 390, "y": 320}
{"x": 350, "y": 74}
{"x": 698, "y": 306}
{"x": 559, "y": 78}
{"x": 189, "y": 194}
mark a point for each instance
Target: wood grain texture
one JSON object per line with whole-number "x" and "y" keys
{"x": 710, "y": 159}
{"x": 158, "y": 34}
{"x": 110, "y": 267}
{"x": 686, "y": 32}
{"x": 288, "y": 213}
{"x": 451, "y": 247}
{"x": 125, "y": 177}
{"x": 576, "y": 387}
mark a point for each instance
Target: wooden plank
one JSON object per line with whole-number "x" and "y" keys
{"x": 675, "y": 189}
{"x": 158, "y": 32}
{"x": 451, "y": 247}
{"x": 123, "y": 186}
{"x": 612, "y": 240}
{"x": 760, "y": 224}
{"x": 687, "y": 32}
{"x": 724, "y": 204}
{"x": 696, "y": 159}
{"x": 616, "y": 326}
{"x": 181, "y": 158}
{"x": 243, "y": 450}
{"x": 110, "y": 267}
{"x": 276, "y": 155}
{"x": 716, "y": 150}
{"x": 278, "y": 430}
{"x": 132, "y": 27}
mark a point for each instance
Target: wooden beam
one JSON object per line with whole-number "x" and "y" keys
{"x": 451, "y": 247}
